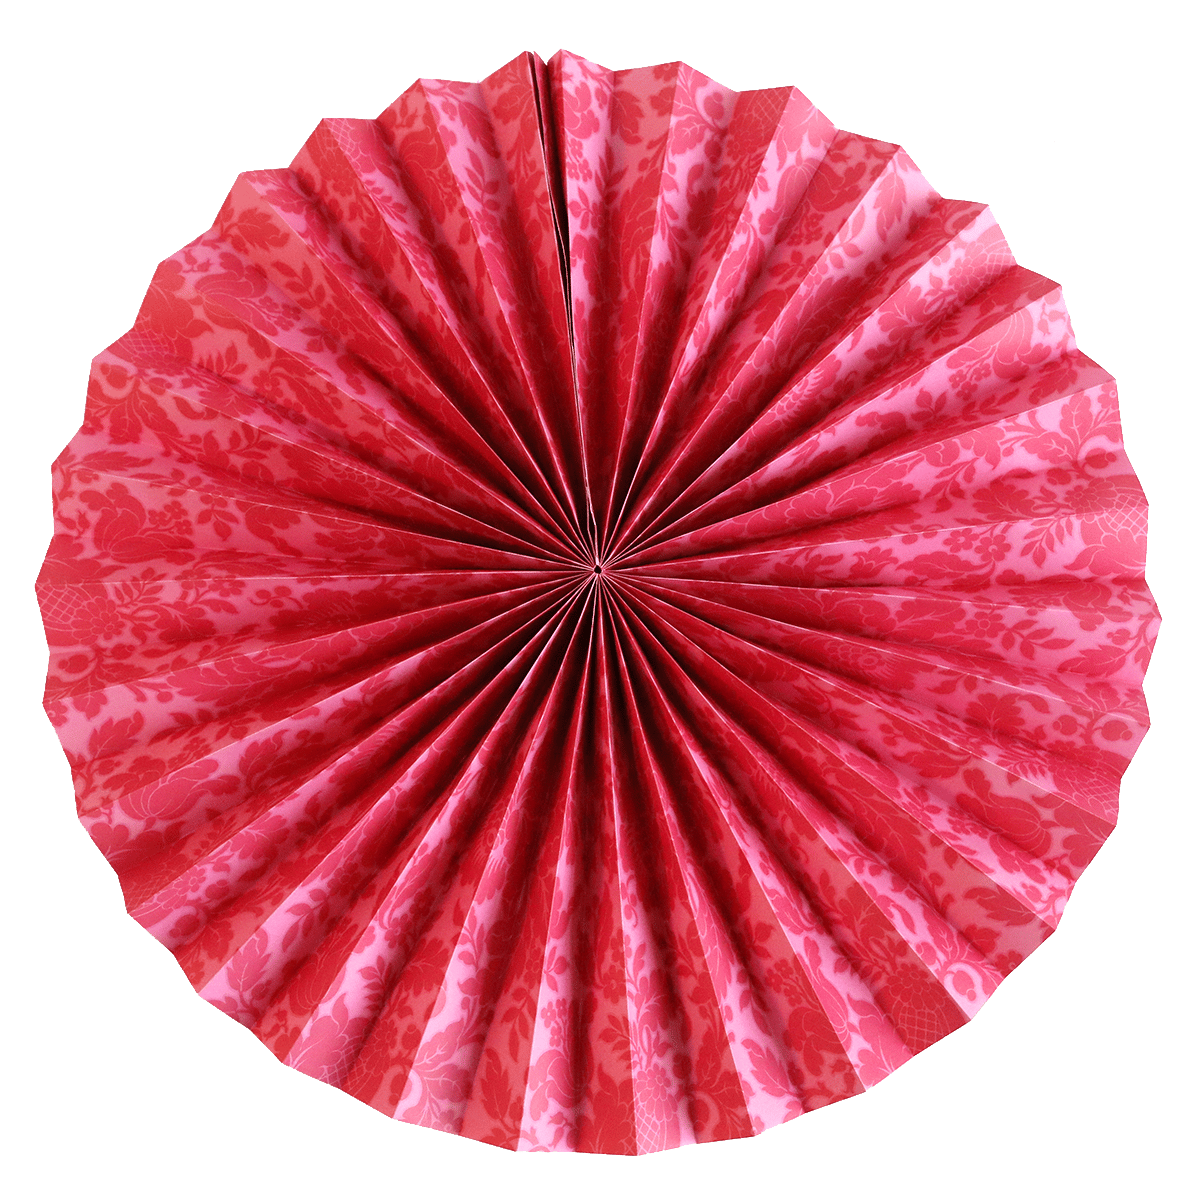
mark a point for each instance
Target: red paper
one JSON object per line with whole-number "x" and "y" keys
{"x": 595, "y": 611}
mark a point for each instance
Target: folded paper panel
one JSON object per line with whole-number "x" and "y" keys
{"x": 597, "y": 612}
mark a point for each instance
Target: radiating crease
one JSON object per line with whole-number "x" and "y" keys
{"x": 289, "y": 644}
{"x": 671, "y": 227}
{"x": 736, "y": 281}
{"x": 906, "y": 372}
{"x": 533, "y": 960}
{"x": 526, "y": 628}
{"x": 489, "y": 815}
{"x": 218, "y": 569}
{"x": 1038, "y": 887}
{"x": 310, "y": 358}
{"x": 544, "y": 834}
{"x": 1033, "y": 882}
{"x": 799, "y": 365}
{"x": 375, "y": 825}
{"x": 453, "y": 528}
{"x": 379, "y": 595}
{"x": 756, "y": 819}
{"x": 345, "y": 271}
{"x": 769, "y": 873}
{"x": 1048, "y": 596}
{"x": 338, "y": 134}
{"x": 301, "y": 433}
{"x": 560, "y": 998}
{"x": 527, "y": 378}
{"x": 641, "y": 288}
{"x": 856, "y": 431}
{"x": 722, "y": 939}
{"x": 827, "y": 822}
{"x": 1049, "y": 540}
{"x": 769, "y": 1021}
{"x": 610, "y": 767}
{"x": 1044, "y": 691}
{"x": 654, "y": 980}
{"x": 381, "y": 737}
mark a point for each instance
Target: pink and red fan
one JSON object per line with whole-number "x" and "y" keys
{"x": 595, "y": 611}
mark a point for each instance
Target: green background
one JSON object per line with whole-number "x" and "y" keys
{"x": 125, "y": 126}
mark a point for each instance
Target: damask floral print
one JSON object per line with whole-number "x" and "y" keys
{"x": 597, "y": 612}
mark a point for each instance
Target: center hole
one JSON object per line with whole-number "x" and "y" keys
{"x": 596, "y": 569}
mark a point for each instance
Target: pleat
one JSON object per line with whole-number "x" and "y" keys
{"x": 596, "y": 612}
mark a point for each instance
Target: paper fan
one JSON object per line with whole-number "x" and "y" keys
{"x": 595, "y": 611}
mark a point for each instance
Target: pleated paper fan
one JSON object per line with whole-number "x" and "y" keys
{"x": 595, "y": 611}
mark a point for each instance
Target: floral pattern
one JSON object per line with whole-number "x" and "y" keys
{"x": 597, "y": 612}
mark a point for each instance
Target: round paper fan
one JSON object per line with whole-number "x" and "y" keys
{"x": 595, "y": 611}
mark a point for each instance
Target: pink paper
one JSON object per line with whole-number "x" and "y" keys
{"x": 597, "y": 612}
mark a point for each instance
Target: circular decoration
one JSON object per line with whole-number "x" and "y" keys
{"x": 595, "y": 611}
